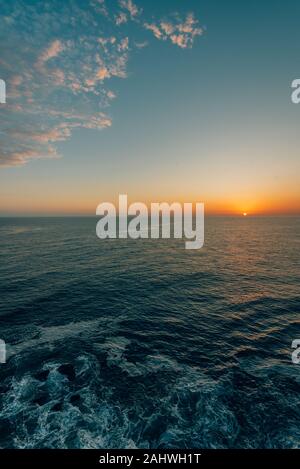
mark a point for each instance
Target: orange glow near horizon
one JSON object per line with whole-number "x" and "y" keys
{"x": 61, "y": 205}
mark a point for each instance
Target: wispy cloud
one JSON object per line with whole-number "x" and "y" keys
{"x": 121, "y": 18}
{"x": 180, "y": 33}
{"x": 130, "y": 7}
{"x": 51, "y": 51}
{"x": 61, "y": 61}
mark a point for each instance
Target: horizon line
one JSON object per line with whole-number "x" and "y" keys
{"x": 85, "y": 215}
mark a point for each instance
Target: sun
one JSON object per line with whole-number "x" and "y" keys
{"x": 245, "y": 214}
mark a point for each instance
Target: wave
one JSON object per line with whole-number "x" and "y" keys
{"x": 155, "y": 404}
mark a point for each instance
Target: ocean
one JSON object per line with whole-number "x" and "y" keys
{"x": 143, "y": 344}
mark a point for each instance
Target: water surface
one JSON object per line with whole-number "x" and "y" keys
{"x": 123, "y": 343}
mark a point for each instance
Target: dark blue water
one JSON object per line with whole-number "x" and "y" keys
{"x": 122, "y": 343}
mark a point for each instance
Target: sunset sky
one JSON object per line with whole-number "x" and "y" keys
{"x": 165, "y": 101}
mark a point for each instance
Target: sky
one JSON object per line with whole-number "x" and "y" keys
{"x": 177, "y": 100}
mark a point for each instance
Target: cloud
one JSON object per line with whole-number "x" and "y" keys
{"x": 51, "y": 51}
{"x": 121, "y": 18}
{"x": 129, "y": 6}
{"x": 155, "y": 30}
{"x": 61, "y": 63}
{"x": 180, "y": 33}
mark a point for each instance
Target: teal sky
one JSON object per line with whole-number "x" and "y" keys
{"x": 189, "y": 101}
